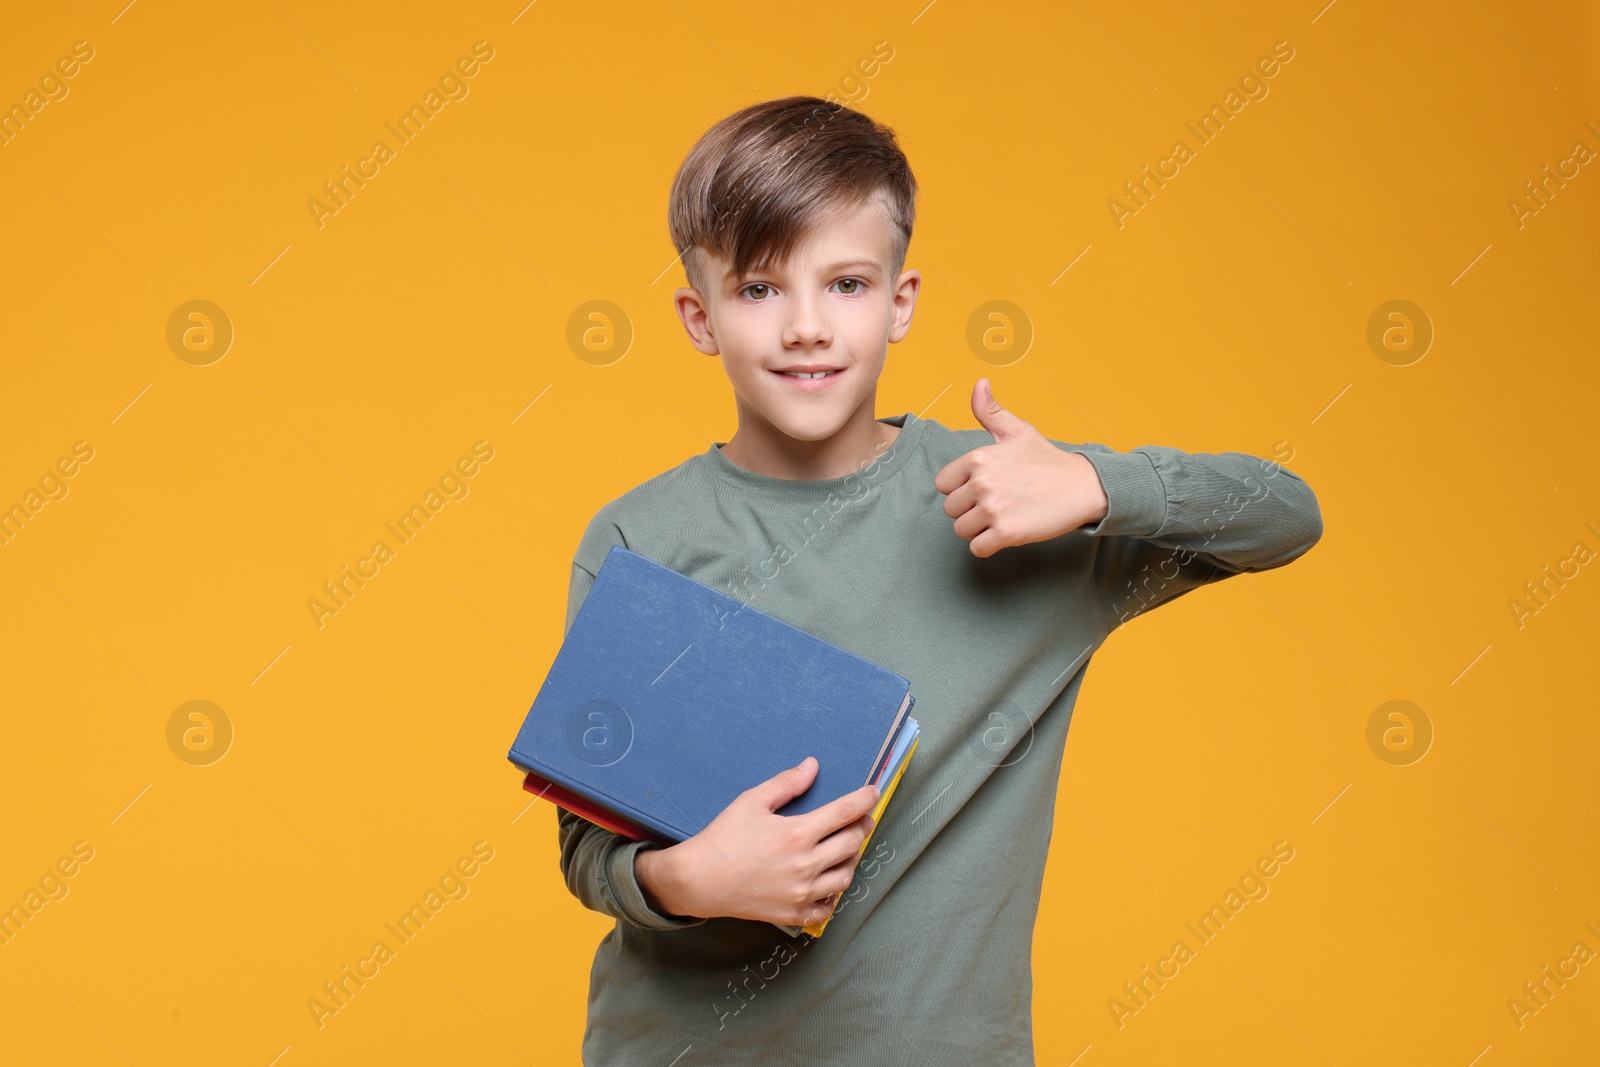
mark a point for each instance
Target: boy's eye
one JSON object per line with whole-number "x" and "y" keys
{"x": 761, "y": 290}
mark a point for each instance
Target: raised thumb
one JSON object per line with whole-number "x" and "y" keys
{"x": 991, "y": 416}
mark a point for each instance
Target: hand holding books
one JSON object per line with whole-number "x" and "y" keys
{"x": 668, "y": 699}
{"x": 752, "y": 863}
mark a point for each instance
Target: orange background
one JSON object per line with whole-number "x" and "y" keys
{"x": 431, "y": 311}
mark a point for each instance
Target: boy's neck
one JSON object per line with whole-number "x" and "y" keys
{"x": 761, "y": 448}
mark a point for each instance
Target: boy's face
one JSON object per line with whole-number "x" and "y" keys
{"x": 831, "y": 306}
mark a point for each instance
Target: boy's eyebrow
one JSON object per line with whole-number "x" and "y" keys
{"x": 870, "y": 264}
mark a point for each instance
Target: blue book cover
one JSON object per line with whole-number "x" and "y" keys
{"x": 669, "y": 698}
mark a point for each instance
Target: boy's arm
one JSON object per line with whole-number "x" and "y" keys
{"x": 598, "y": 864}
{"x": 1178, "y": 520}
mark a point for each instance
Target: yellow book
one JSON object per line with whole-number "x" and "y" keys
{"x": 815, "y": 929}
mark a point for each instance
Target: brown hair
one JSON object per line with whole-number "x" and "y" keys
{"x": 758, "y": 181}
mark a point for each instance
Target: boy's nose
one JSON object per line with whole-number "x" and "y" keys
{"x": 807, "y": 326}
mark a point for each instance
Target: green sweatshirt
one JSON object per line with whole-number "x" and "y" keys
{"x": 928, "y": 957}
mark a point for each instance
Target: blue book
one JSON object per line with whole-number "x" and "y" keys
{"x": 669, "y": 698}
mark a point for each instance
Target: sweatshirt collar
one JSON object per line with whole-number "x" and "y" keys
{"x": 888, "y": 463}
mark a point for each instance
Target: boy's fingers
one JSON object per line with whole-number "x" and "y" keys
{"x": 837, "y": 878}
{"x": 954, "y": 474}
{"x": 841, "y": 812}
{"x": 843, "y": 846}
{"x": 961, "y": 501}
{"x": 787, "y": 784}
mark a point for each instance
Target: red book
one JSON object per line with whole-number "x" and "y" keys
{"x": 564, "y": 798}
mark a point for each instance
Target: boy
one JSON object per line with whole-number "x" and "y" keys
{"x": 984, "y": 565}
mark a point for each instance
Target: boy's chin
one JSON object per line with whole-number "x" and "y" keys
{"x": 814, "y": 425}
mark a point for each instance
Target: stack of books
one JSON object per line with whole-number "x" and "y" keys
{"x": 669, "y": 698}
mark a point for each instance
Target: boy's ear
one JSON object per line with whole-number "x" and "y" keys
{"x": 905, "y": 303}
{"x": 696, "y": 318}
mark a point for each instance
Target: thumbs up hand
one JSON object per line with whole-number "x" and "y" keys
{"x": 1020, "y": 489}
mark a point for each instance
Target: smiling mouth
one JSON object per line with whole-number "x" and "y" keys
{"x": 805, "y": 382}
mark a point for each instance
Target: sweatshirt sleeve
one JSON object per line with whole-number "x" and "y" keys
{"x": 1179, "y": 520}
{"x": 597, "y": 863}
